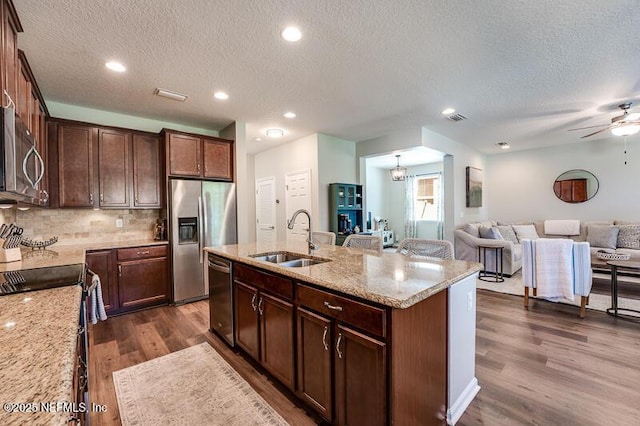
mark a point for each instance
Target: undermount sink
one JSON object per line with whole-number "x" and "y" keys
{"x": 289, "y": 260}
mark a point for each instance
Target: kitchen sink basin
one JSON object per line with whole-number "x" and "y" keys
{"x": 289, "y": 260}
{"x": 301, "y": 262}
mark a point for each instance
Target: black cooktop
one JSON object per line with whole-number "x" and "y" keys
{"x": 41, "y": 278}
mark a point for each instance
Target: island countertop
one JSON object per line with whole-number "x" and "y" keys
{"x": 390, "y": 279}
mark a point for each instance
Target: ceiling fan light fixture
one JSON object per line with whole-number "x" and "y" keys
{"x": 398, "y": 173}
{"x": 626, "y": 130}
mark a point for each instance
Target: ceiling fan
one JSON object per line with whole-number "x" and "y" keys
{"x": 622, "y": 125}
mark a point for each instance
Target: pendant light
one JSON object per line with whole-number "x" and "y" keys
{"x": 398, "y": 173}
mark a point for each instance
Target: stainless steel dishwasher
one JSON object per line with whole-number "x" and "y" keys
{"x": 221, "y": 298}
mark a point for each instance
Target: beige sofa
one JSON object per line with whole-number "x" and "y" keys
{"x": 466, "y": 241}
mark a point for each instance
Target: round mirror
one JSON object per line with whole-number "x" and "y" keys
{"x": 576, "y": 186}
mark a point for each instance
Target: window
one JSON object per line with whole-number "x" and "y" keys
{"x": 427, "y": 197}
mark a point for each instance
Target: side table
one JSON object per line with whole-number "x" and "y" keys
{"x": 491, "y": 276}
{"x": 614, "y": 265}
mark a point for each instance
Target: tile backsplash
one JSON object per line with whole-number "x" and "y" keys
{"x": 80, "y": 226}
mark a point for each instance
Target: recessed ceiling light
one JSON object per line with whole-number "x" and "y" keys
{"x": 221, "y": 95}
{"x": 258, "y": 139}
{"x": 115, "y": 66}
{"x": 448, "y": 111}
{"x": 292, "y": 34}
{"x": 275, "y": 133}
{"x": 503, "y": 145}
{"x": 171, "y": 95}
{"x": 290, "y": 114}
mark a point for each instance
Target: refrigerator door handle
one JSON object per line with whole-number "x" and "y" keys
{"x": 200, "y": 231}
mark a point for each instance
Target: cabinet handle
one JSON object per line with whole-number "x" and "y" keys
{"x": 253, "y": 302}
{"x": 101, "y": 198}
{"x": 136, "y": 198}
{"x": 119, "y": 270}
{"x": 333, "y": 307}
{"x": 260, "y": 306}
{"x": 73, "y": 419}
{"x": 80, "y": 330}
{"x": 324, "y": 338}
{"x": 142, "y": 252}
{"x": 198, "y": 167}
{"x": 44, "y": 199}
{"x": 91, "y": 197}
{"x": 338, "y": 345}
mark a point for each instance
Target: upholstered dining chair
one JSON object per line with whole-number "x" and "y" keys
{"x": 367, "y": 242}
{"x": 321, "y": 237}
{"x": 419, "y": 247}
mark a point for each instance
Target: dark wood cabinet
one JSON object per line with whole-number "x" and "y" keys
{"x": 246, "y": 319}
{"x": 101, "y": 262}
{"x": 104, "y": 167}
{"x": 114, "y": 168}
{"x": 264, "y": 322}
{"x": 315, "y": 367}
{"x": 143, "y": 283}
{"x": 75, "y": 155}
{"x": 218, "y": 159}
{"x": 9, "y": 66}
{"x": 360, "y": 377}
{"x": 147, "y": 171}
{"x": 199, "y": 156}
{"x": 131, "y": 278}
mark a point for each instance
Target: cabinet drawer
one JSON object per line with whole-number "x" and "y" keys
{"x": 142, "y": 252}
{"x": 263, "y": 280}
{"x": 365, "y": 317}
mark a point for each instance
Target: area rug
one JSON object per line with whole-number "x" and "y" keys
{"x": 194, "y": 386}
{"x": 599, "y": 299}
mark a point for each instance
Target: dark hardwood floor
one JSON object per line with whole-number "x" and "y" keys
{"x": 542, "y": 366}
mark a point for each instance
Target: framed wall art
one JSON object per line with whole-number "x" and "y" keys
{"x": 474, "y": 187}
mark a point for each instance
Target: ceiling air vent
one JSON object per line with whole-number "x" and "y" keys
{"x": 456, "y": 117}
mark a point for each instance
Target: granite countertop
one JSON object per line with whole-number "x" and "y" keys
{"x": 59, "y": 255}
{"x": 38, "y": 333}
{"x": 389, "y": 278}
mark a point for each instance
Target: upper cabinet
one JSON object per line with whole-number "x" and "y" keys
{"x": 104, "y": 167}
{"x": 199, "y": 156}
{"x": 9, "y": 65}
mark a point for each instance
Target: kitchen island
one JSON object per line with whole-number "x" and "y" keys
{"x": 360, "y": 337}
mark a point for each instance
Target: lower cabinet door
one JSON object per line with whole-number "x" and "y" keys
{"x": 246, "y": 317}
{"x": 100, "y": 262}
{"x": 143, "y": 283}
{"x": 361, "y": 379}
{"x": 276, "y": 319}
{"x": 314, "y": 361}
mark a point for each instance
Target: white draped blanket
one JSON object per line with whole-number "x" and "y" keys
{"x": 554, "y": 268}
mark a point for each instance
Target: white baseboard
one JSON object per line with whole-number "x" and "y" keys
{"x": 460, "y": 405}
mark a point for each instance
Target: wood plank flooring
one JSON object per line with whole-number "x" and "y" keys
{"x": 542, "y": 366}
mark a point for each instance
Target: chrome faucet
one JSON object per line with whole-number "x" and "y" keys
{"x": 292, "y": 222}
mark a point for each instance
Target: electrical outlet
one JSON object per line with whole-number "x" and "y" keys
{"x": 469, "y": 301}
{"x": 119, "y": 223}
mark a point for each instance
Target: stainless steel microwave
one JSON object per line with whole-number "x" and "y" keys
{"x": 21, "y": 166}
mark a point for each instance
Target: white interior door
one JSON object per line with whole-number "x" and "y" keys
{"x": 298, "y": 196}
{"x": 266, "y": 210}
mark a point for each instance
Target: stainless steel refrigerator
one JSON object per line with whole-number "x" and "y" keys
{"x": 202, "y": 214}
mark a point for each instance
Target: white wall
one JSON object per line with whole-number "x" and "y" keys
{"x": 521, "y": 183}
{"x": 298, "y": 155}
{"x": 336, "y": 163}
{"x": 108, "y": 118}
{"x": 376, "y": 193}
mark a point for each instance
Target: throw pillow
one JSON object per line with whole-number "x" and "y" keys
{"x": 605, "y": 236}
{"x": 527, "y": 232}
{"x": 472, "y": 229}
{"x": 507, "y": 233}
{"x": 629, "y": 236}
{"x": 490, "y": 233}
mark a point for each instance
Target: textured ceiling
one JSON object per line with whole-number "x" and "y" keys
{"x": 522, "y": 71}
